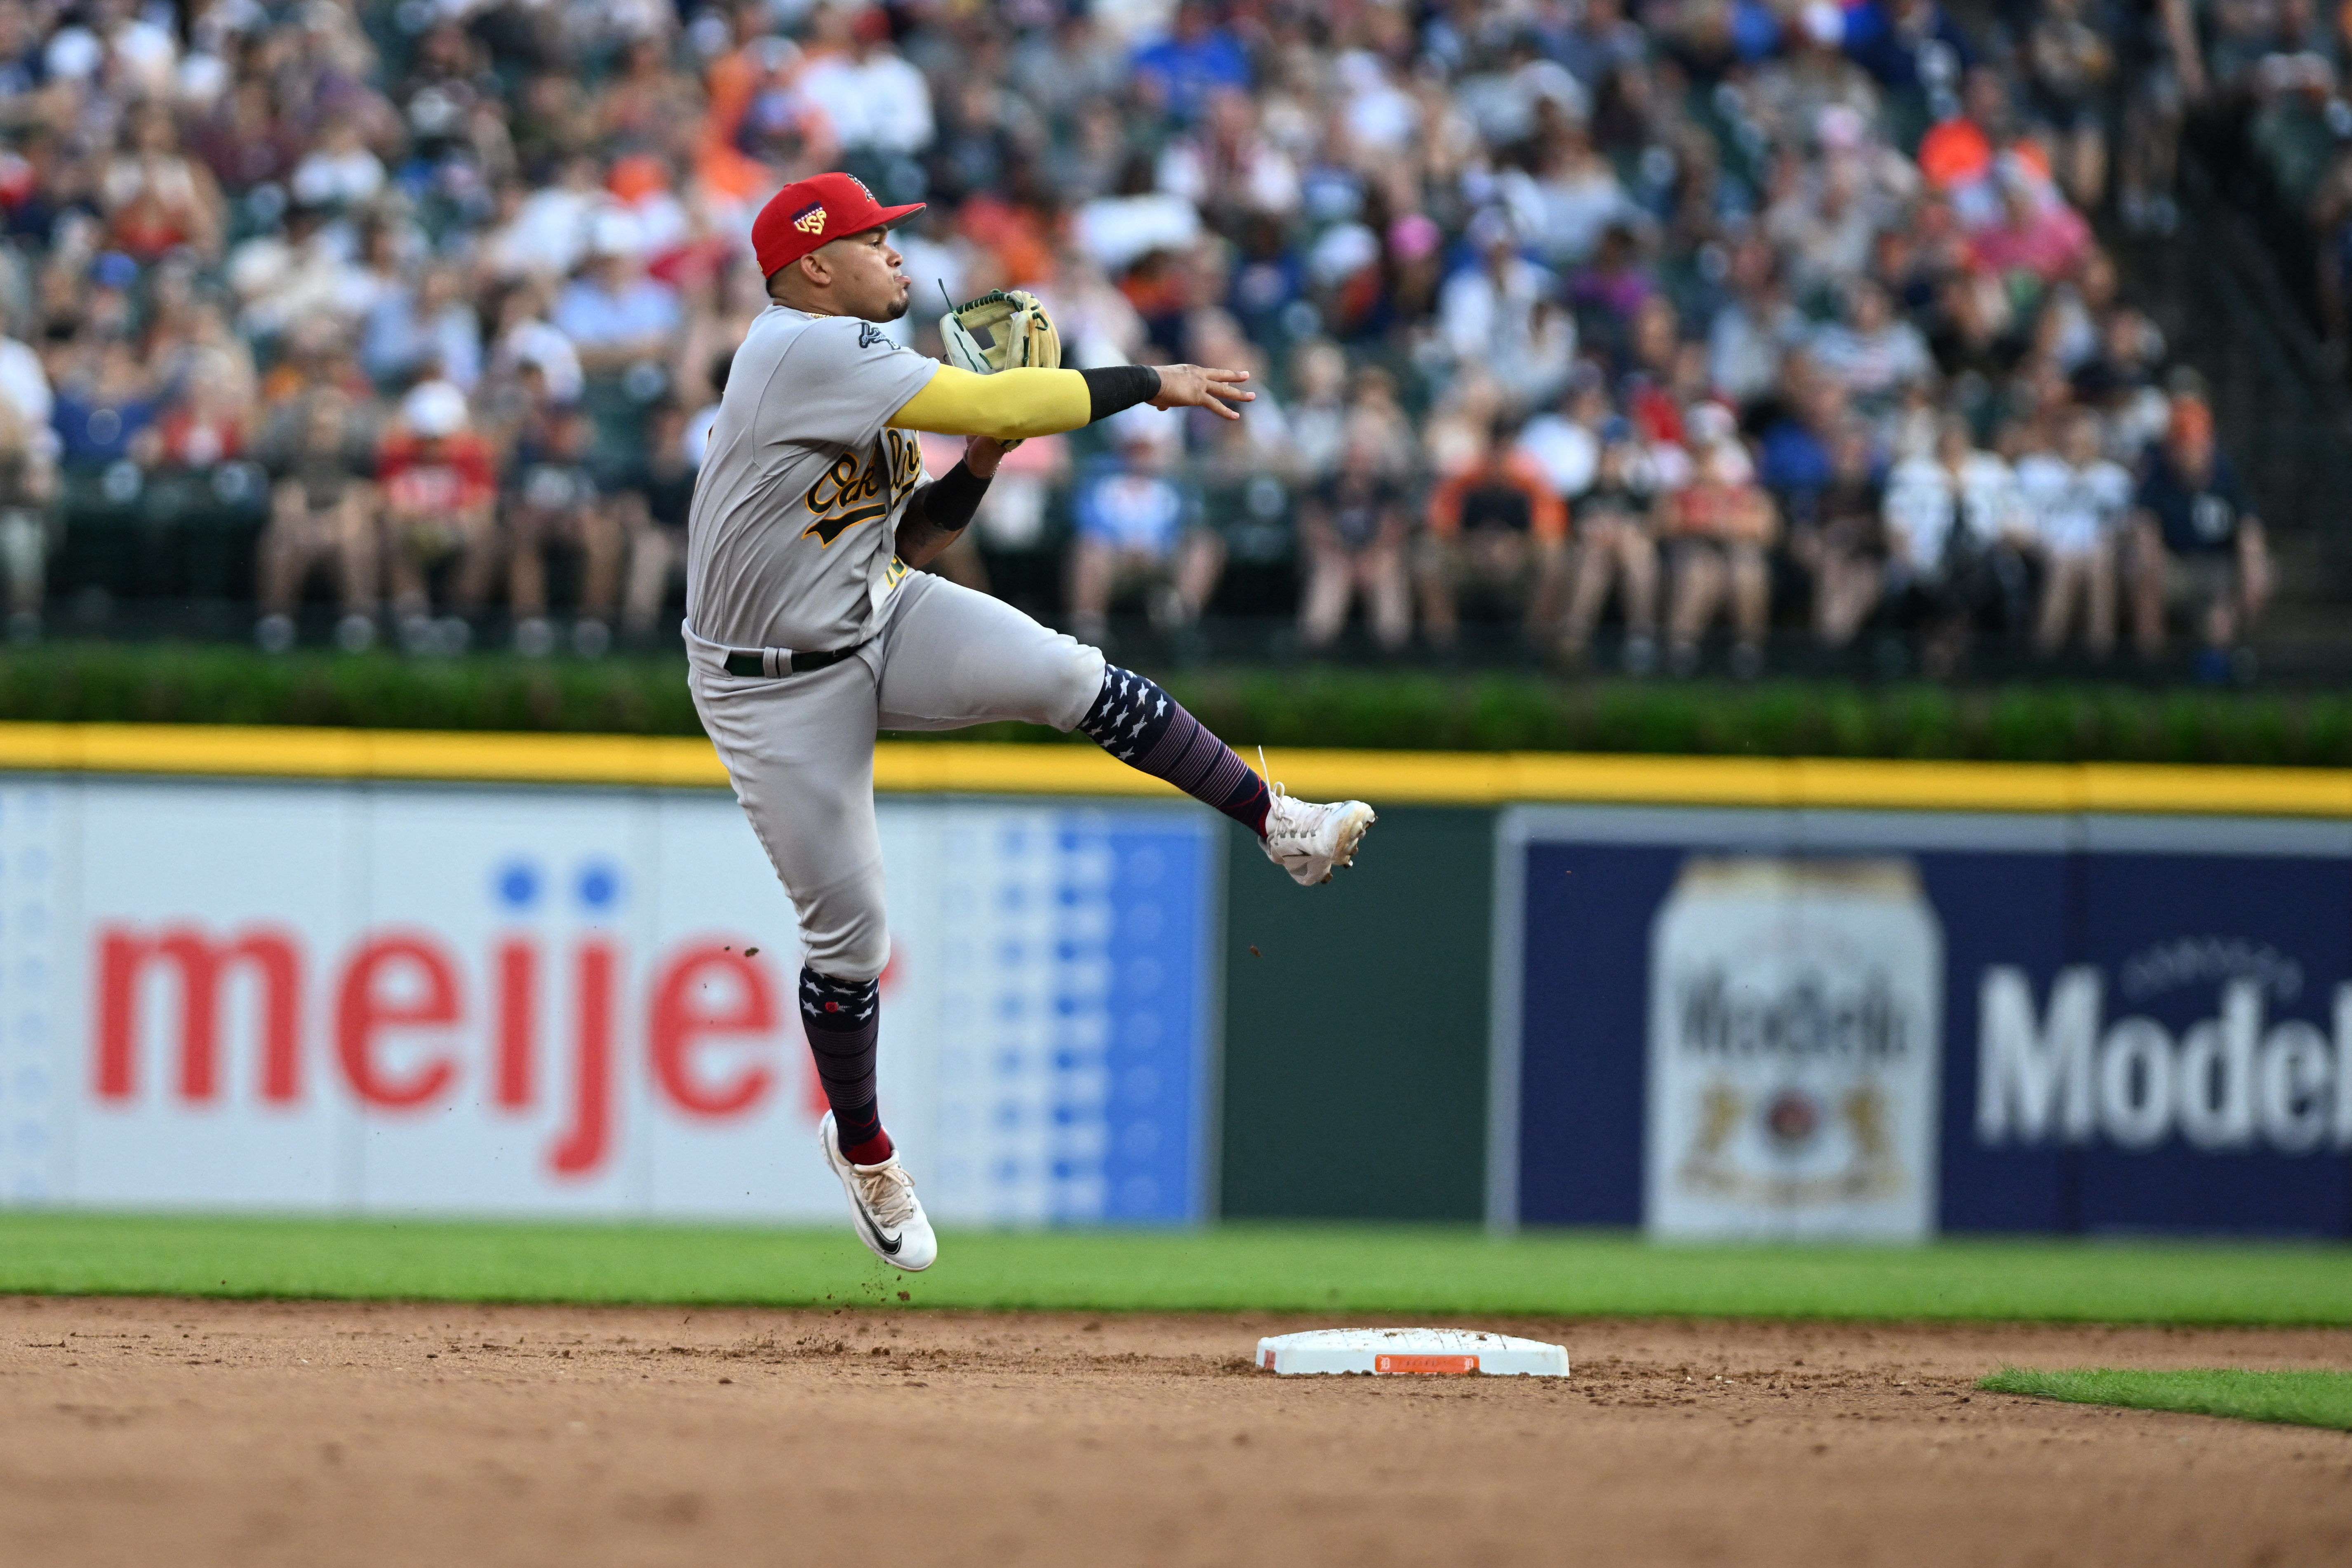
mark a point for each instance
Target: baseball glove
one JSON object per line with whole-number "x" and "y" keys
{"x": 1000, "y": 330}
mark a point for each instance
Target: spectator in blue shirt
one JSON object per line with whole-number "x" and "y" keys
{"x": 2197, "y": 544}
{"x": 616, "y": 315}
{"x": 1795, "y": 463}
{"x": 1907, "y": 44}
{"x": 1193, "y": 61}
{"x": 1136, "y": 524}
{"x": 423, "y": 330}
{"x": 107, "y": 405}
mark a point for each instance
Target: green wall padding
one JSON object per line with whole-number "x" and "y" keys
{"x": 1355, "y": 1076}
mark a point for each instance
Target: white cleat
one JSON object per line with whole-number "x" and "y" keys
{"x": 882, "y": 1202}
{"x": 1312, "y": 841}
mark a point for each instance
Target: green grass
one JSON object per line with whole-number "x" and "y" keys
{"x": 1438, "y": 1271}
{"x": 2299, "y": 1398}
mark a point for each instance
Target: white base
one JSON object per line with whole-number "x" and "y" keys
{"x": 1383, "y": 1353}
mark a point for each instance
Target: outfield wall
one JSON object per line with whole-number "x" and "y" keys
{"x": 388, "y": 971}
{"x": 1870, "y": 1023}
{"x": 529, "y": 999}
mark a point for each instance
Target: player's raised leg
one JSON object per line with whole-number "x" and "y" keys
{"x": 1138, "y": 723}
{"x": 952, "y": 658}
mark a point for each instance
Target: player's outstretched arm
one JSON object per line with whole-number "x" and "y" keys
{"x": 1013, "y": 404}
{"x": 1009, "y": 406}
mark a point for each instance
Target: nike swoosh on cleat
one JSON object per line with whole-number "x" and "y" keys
{"x": 888, "y": 1244}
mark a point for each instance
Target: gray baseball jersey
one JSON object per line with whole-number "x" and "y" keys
{"x": 791, "y": 543}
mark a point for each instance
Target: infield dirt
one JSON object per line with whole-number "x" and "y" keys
{"x": 204, "y": 1433}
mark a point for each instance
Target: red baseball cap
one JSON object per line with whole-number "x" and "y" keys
{"x": 808, "y": 213}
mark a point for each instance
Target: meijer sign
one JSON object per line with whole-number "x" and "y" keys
{"x": 579, "y": 1001}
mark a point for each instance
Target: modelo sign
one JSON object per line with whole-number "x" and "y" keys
{"x": 1796, "y": 1007}
{"x": 1884, "y": 1024}
{"x": 579, "y": 1001}
{"x": 2237, "y": 1080}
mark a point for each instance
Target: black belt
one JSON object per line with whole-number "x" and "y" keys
{"x": 757, "y": 662}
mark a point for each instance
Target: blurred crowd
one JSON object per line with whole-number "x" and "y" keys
{"x": 1627, "y": 330}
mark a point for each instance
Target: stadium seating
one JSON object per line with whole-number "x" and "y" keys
{"x": 1671, "y": 338}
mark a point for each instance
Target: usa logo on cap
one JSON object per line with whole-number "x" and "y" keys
{"x": 807, "y": 213}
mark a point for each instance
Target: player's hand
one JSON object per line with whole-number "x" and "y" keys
{"x": 1201, "y": 386}
{"x": 980, "y": 454}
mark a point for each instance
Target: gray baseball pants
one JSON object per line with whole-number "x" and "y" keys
{"x": 800, "y": 748}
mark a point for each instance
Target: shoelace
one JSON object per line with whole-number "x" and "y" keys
{"x": 888, "y": 1195}
{"x": 1279, "y": 823}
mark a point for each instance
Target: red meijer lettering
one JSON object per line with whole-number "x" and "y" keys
{"x": 683, "y": 1021}
{"x": 399, "y": 1005}
{"x": 366, "y": 1007}
{"x": 270, "y": 954}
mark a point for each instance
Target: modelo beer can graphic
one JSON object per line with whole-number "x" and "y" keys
{"x": 1795, "y": 1016}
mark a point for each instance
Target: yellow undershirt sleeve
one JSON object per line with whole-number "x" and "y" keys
{"x": 1010, "y": 406}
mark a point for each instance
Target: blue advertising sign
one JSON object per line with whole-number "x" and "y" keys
{"x": 1849, "y": 1023}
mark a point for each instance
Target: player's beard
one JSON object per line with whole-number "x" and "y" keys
{"x": 892, "y": 312}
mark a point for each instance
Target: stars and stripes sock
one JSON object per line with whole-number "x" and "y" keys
{"x": 1145, "y": 728}
{"x": 843, "y": 1019}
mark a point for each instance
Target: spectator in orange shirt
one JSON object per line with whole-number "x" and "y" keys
{"x": 440, "y": 498}
{"x": 1718, "y": 529}
{"x": 1494, "y": 526}
{"x": 1960, "y": 156}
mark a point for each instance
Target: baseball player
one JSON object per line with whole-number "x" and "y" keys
{"x": 807, "y": 631}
